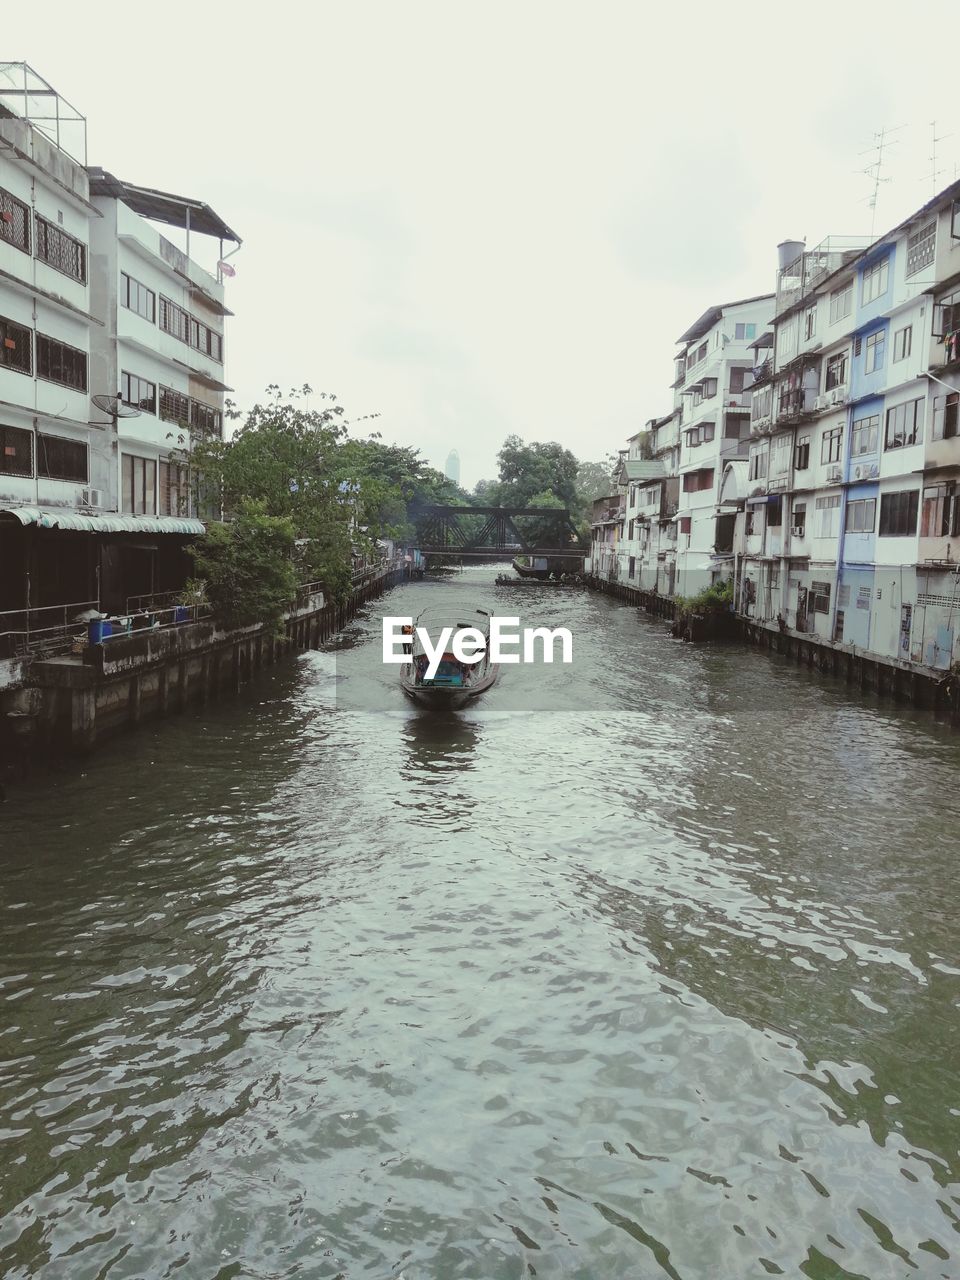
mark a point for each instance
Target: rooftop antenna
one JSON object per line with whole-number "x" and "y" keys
{"x": 936, "y": 173}
{"x": 875, "y": 168}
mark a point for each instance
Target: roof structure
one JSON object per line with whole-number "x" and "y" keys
{"x": 87, "y": 522}
{"x": 161, "y": 206}
{"x": 638, "y": 469}
{"x": 713, "y": 314}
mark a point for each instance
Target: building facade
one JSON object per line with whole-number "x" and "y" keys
{"x": 111, "y": 361}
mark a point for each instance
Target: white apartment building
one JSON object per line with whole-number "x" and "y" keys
{"x": 101, "y": 317}
{"x": 711, "y": 395}
{"x": 161, "y": 349}
{"x": 851, "y": 527}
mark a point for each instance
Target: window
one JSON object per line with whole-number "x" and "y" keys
{"x": 632, "y": 567}
{"x": 61, "y": 251}
{"x": 876, "y": 345}
{"x": 801, "y": 458}
{"x": 818, "y": 597}
{"x": 945, "y": 416}
{"x": 946, "y": 315}
{"x": 139, "y": 485}
{"x": 138, "y": 392}
{"x": 60, "y": 459}
{"x": 940, "y": 514}
{"x": 694, "y": 481}
{"x": 775, "y": 512}
{"x": 758, "y": 465}
{"x": 810, "y": 323}
{"x": 904, "y": 425}
{"x": 744, "y": 332}
{"x": 836, "y": 371}
{"x": 800, "y": 519}
{"x": 16, "y": 452}
{"x": 174, "y": 406}
{"x": 902, "y": 343}
{"x": 137, "y": 297}
{"x": 14, "y": 221}
{"x": 875, "y": 281}
{"x": 702, "y": 352}
{"x": 174, "y": 490}
{"x": 829, "y": 509}
{"x": 15, "y": 347}
{"x": 752, "y": 523}
{"x": 700, "y": 435}
{"x": 865, "y": 435}
{"x": 56, "y": 362}
{"x": 841, "y": 302}
{"x": 709, "y": 389}
{"x": 182, "y": 325}
{"x": 737, "y": 377}
{"x": 921, "y": 247}
{"x": 831, "y": 446}
{"x": 685, "y": 524}
{"x": 861, "y": 514}
{"x": 898, "y": 513}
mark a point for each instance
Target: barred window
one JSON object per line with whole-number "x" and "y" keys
{"x": 137, "y": 297}
{"x": 15, "y": 346}
{"x": 56, "y": 362}
{"x": 61, "y": 251}
{"x": 174, "y": 489}
{"x": 60, "y": 459}
{"x": 921, "y": 247}
{"x": 174, "y": 406}
{"x": 138, "y": 392}
{"x": 204, "y": 418}
{"x": 173, "y": 319}
{"x": 187, "y": 328}
{"x": 16, "y": 452}
{"x": 14, "y": 221}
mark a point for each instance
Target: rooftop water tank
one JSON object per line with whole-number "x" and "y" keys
{"x": 789, "y": 251}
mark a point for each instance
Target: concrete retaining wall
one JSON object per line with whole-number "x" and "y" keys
{"x": 68, "y": 704}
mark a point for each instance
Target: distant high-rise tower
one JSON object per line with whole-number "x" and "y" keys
{"x": 452, "y": 469}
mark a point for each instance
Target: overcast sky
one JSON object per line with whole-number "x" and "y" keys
{"x": 477, "y": 220}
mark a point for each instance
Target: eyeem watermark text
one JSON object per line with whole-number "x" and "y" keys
{"x": 468, "y": 644}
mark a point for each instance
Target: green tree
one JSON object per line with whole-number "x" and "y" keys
{"x": 247, "y": 566}
{"x": 530, "y": 469}
{"x": 285, "y": 458}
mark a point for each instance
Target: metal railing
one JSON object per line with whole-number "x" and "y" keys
{"x": 48, "y": 630}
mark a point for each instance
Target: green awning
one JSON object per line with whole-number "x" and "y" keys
{"x": 109, "y": 522}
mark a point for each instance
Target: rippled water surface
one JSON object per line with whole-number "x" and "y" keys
{"x": 642, "y": 967}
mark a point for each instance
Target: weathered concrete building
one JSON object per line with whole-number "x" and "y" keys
{"x": 111, "y": 358}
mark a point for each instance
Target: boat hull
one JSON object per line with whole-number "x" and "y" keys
{"x": 446, "y": 697}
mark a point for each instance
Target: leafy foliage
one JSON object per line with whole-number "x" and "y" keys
{"x": 247, "y": 566}
{"x": 717, "y": 598}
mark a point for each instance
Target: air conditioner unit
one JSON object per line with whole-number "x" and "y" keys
{"x": 820, "y": 402}
{"x": 92, "y": 498}
{"x": 798, "y": 530}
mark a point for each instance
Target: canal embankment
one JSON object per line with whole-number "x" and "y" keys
{"x": 66, "y": 703}
{"x": 923, "y": 687}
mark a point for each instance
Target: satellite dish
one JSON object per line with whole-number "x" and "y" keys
{"x": 114, "y": 407}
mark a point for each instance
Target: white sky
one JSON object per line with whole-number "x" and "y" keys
{"x": 476, "y": 220}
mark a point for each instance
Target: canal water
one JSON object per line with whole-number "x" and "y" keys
{"x": 642, "y": 967}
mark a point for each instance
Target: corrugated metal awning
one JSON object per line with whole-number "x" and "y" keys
{"x": 86, "y": 522}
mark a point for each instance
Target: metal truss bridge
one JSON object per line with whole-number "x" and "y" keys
{"x": 491, "y": 531}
